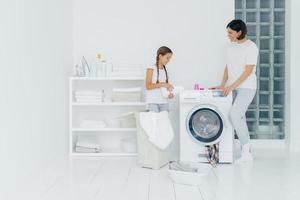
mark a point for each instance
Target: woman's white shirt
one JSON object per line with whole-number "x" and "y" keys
{"x": 238, "y": 56}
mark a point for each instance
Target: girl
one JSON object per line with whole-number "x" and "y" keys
{"x": 239, "y": 76}
{"x": 157, "y": 78}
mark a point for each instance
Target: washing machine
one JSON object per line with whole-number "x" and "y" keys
{"x": 204, "y": 121}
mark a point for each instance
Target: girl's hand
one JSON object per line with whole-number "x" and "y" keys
{"x": 220, "y": 87}
{"x": 171, "y": 95}
{"x": 227, "y": 90}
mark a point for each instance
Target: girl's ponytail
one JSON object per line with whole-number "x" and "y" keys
{"x": 162, "y": 51}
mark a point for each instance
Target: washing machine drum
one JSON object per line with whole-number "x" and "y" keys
{"x": 205, "y": 125}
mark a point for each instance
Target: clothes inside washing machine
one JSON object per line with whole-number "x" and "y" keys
{"x": 205, "y": 125}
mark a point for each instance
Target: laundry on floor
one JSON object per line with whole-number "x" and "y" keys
{"x": 181, "y": 166}
{"x": 88, "y": 96}
{"x": 92, "y": 124}
{"x": 87, "y": 147}
{"x": 133, "y": 94}
{"x": 188, "y": 173}
{"x": 157, "y": 127}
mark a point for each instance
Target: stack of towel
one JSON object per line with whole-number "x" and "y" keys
{"x": 87, "y": 147}
{"x": 93, "y": 124}
{"x": 88, "y": 97}
{"x": 127, "y": 94}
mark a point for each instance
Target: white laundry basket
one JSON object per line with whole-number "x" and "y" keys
{"x": 149, "y": 155}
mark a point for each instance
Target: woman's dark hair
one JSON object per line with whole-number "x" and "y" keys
{"x": 162, "y": 51}
{"x": 238, "y": 25}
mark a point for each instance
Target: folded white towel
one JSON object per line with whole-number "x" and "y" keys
{"x": 96, "y": 100}
{"x": 88, "y": 97}
{"x": 87, "y": 93}
{"x": 87, "y": 150}
{"x": 133, "y": 89}
{"x": 158, "y": 128}
{"x": 87, "y": 145}
{"x": 89, "y": 101}
{"x": 93, "y": 124}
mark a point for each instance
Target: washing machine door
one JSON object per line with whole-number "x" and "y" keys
{"x": 205, "y": 124}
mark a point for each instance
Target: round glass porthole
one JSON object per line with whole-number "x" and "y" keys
{"x": 205, "y": 125}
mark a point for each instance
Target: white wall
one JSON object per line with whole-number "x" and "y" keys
{"x": 293, "y": 81}
{"x": 36, "y": 61}
{"x": 131, "y": 31}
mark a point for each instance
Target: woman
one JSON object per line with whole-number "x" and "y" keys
{"x": 239, "y": 77}
{"x": 157, "y": 78}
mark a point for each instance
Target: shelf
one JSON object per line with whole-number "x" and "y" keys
{"x": 103, "y": 129}
{"x": 107, "y": 78}
{"x": 110, "y": 136}
{"x": 103, "y": 154}
{"x": 110, "y": 104}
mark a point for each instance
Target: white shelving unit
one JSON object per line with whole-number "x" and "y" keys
{"x": 110, "y": 104}
{"x": 110, "y": 137}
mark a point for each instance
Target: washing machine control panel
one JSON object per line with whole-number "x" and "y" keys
{"x": 198, "y": 95}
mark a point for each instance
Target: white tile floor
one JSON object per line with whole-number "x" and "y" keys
{"x": 274, "y": 175}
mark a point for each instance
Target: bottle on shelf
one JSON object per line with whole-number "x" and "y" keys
{"x": 103, "y": 64}
{"x": 102, "y": 95}
{"x": 108, "y": 68}
{"x": 98, "y": 66}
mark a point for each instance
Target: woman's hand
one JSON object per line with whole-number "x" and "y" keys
{"x": 220, "y": 87}
{"x": 227, "y": 90}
